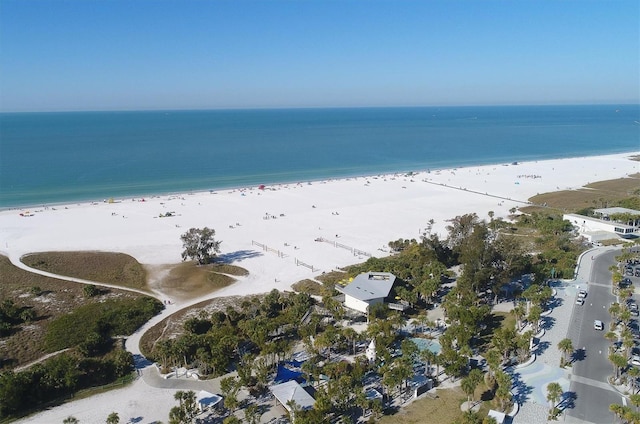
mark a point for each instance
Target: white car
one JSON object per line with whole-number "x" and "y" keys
{"x": 580, "y": 301}
{"x": 582, "y": 294}
{"x": 598, "y": 325}
{"x": 635, "y": 360}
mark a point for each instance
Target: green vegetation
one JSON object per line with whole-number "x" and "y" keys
{"x": 212, "y": 343}
{"x": 56, "y": 379}
{"x": 310, "y": 287}
{"x": 104, "y": 267}
{"x": 95, "y": 324}
{"x": 12, "y": 316}
{"x": 83, "y": 319}
{"x": 93, "y": 360}
{"x": 200, "y": 245}
{"x": 621, "y": 192}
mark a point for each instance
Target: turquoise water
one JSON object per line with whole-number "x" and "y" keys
{"x": 425, "y": 344}
{"x": 64, "y": 157}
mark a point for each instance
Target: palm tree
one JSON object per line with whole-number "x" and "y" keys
{"x": 424, "y": 321}
{"x": 566, "y": 346}
{"x": 617, "y": 410}
{"x": 614, "y": 310}
{"x": 628, "y": 343}
{"x": 113, "y": 418}
{"x": 252, "y": 414}
{"x": 503, "y": 392}
{"x": 618, "y": 362}
{"x": 634, "y": 373}
{"x": 351, "y": 335}
{"x": 493, "y": 360}
{"x": 468, "y": 386}
{"x": 611, "y": 336}
{"x": 635, "y": 400}
{"x": 519, "y": 312}
{"x": 428, "y": 357}
{"x": 535, "y": 312}
{"x": 554, "y": 392}
{"x": 471, "y": 382}
{"x": 229, "y": 387}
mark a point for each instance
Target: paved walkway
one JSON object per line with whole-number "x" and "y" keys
{"x": 530, "y": 382}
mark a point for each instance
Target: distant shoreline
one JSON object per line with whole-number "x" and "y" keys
{"x": 92, "y": 156}
{"x": 268, "y": 185}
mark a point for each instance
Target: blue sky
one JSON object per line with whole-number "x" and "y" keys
{"x": 188, "y": 54}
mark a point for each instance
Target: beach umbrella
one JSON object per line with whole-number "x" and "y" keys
{"x": 261, "y": 186}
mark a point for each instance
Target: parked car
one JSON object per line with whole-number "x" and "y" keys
{"x": 580, "y": 301}
{"x": 633, "y": 306}
{"x": 637, "y": 272}
{"x": 598, "y": 325}
{"x": 634, "y": 312}
{"x": 635, "y": 360}
{"x": 582, "y": 294}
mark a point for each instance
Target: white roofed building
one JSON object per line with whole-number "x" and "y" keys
{"x": 595, "y": 229}
{"x": 367, "y": 289}
{"x": 291, "y": 392}
{"x": 207, "y": 400}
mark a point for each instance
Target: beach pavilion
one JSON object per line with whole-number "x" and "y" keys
{"x": 368, "y": 289}
{"x": 292, "y": 392}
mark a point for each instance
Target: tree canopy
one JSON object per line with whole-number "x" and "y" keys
{"x": 200, "y": 245}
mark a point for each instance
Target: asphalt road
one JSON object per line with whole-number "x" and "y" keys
{"x": 592, "y": 393}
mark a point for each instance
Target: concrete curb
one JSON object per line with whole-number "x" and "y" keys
{"x": 530, "y": 361}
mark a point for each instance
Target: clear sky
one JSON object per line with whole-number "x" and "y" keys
{"x": 198, "y": 54}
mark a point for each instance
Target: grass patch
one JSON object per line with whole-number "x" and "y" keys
{"x": 331, "y": 277}
{"x": 507, "y": 319}
{"x": 229, "y": 269}
{"x": 445, "y": 408}
{"x": 102, "y": 267}
{"x": 309, "y": 287}
{"x": 189, "y": 281}
{"x": 592, "y": 195}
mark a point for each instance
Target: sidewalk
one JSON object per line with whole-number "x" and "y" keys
{"x": 530, "y": 382}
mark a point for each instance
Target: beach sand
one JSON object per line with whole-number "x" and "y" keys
{"x": 360, "y": 214}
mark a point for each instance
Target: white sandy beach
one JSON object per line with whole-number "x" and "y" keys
{"x": 364, "y": 213}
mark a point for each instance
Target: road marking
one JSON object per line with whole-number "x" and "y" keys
{"x": 591, "y": 382}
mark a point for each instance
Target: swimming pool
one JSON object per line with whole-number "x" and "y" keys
{"x": 427, "y": 344}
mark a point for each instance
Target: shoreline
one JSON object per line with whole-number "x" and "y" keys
{"x": 441, "y": 194}
{"x": 213, "y": 190}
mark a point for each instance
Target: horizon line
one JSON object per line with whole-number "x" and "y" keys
{"x": 265, "y": 108}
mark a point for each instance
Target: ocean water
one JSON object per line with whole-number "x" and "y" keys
{"x": 68, "y": 157}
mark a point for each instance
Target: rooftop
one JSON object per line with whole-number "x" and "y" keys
{"x": 292, "y": 391}
{"x": 370, "y": 285}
